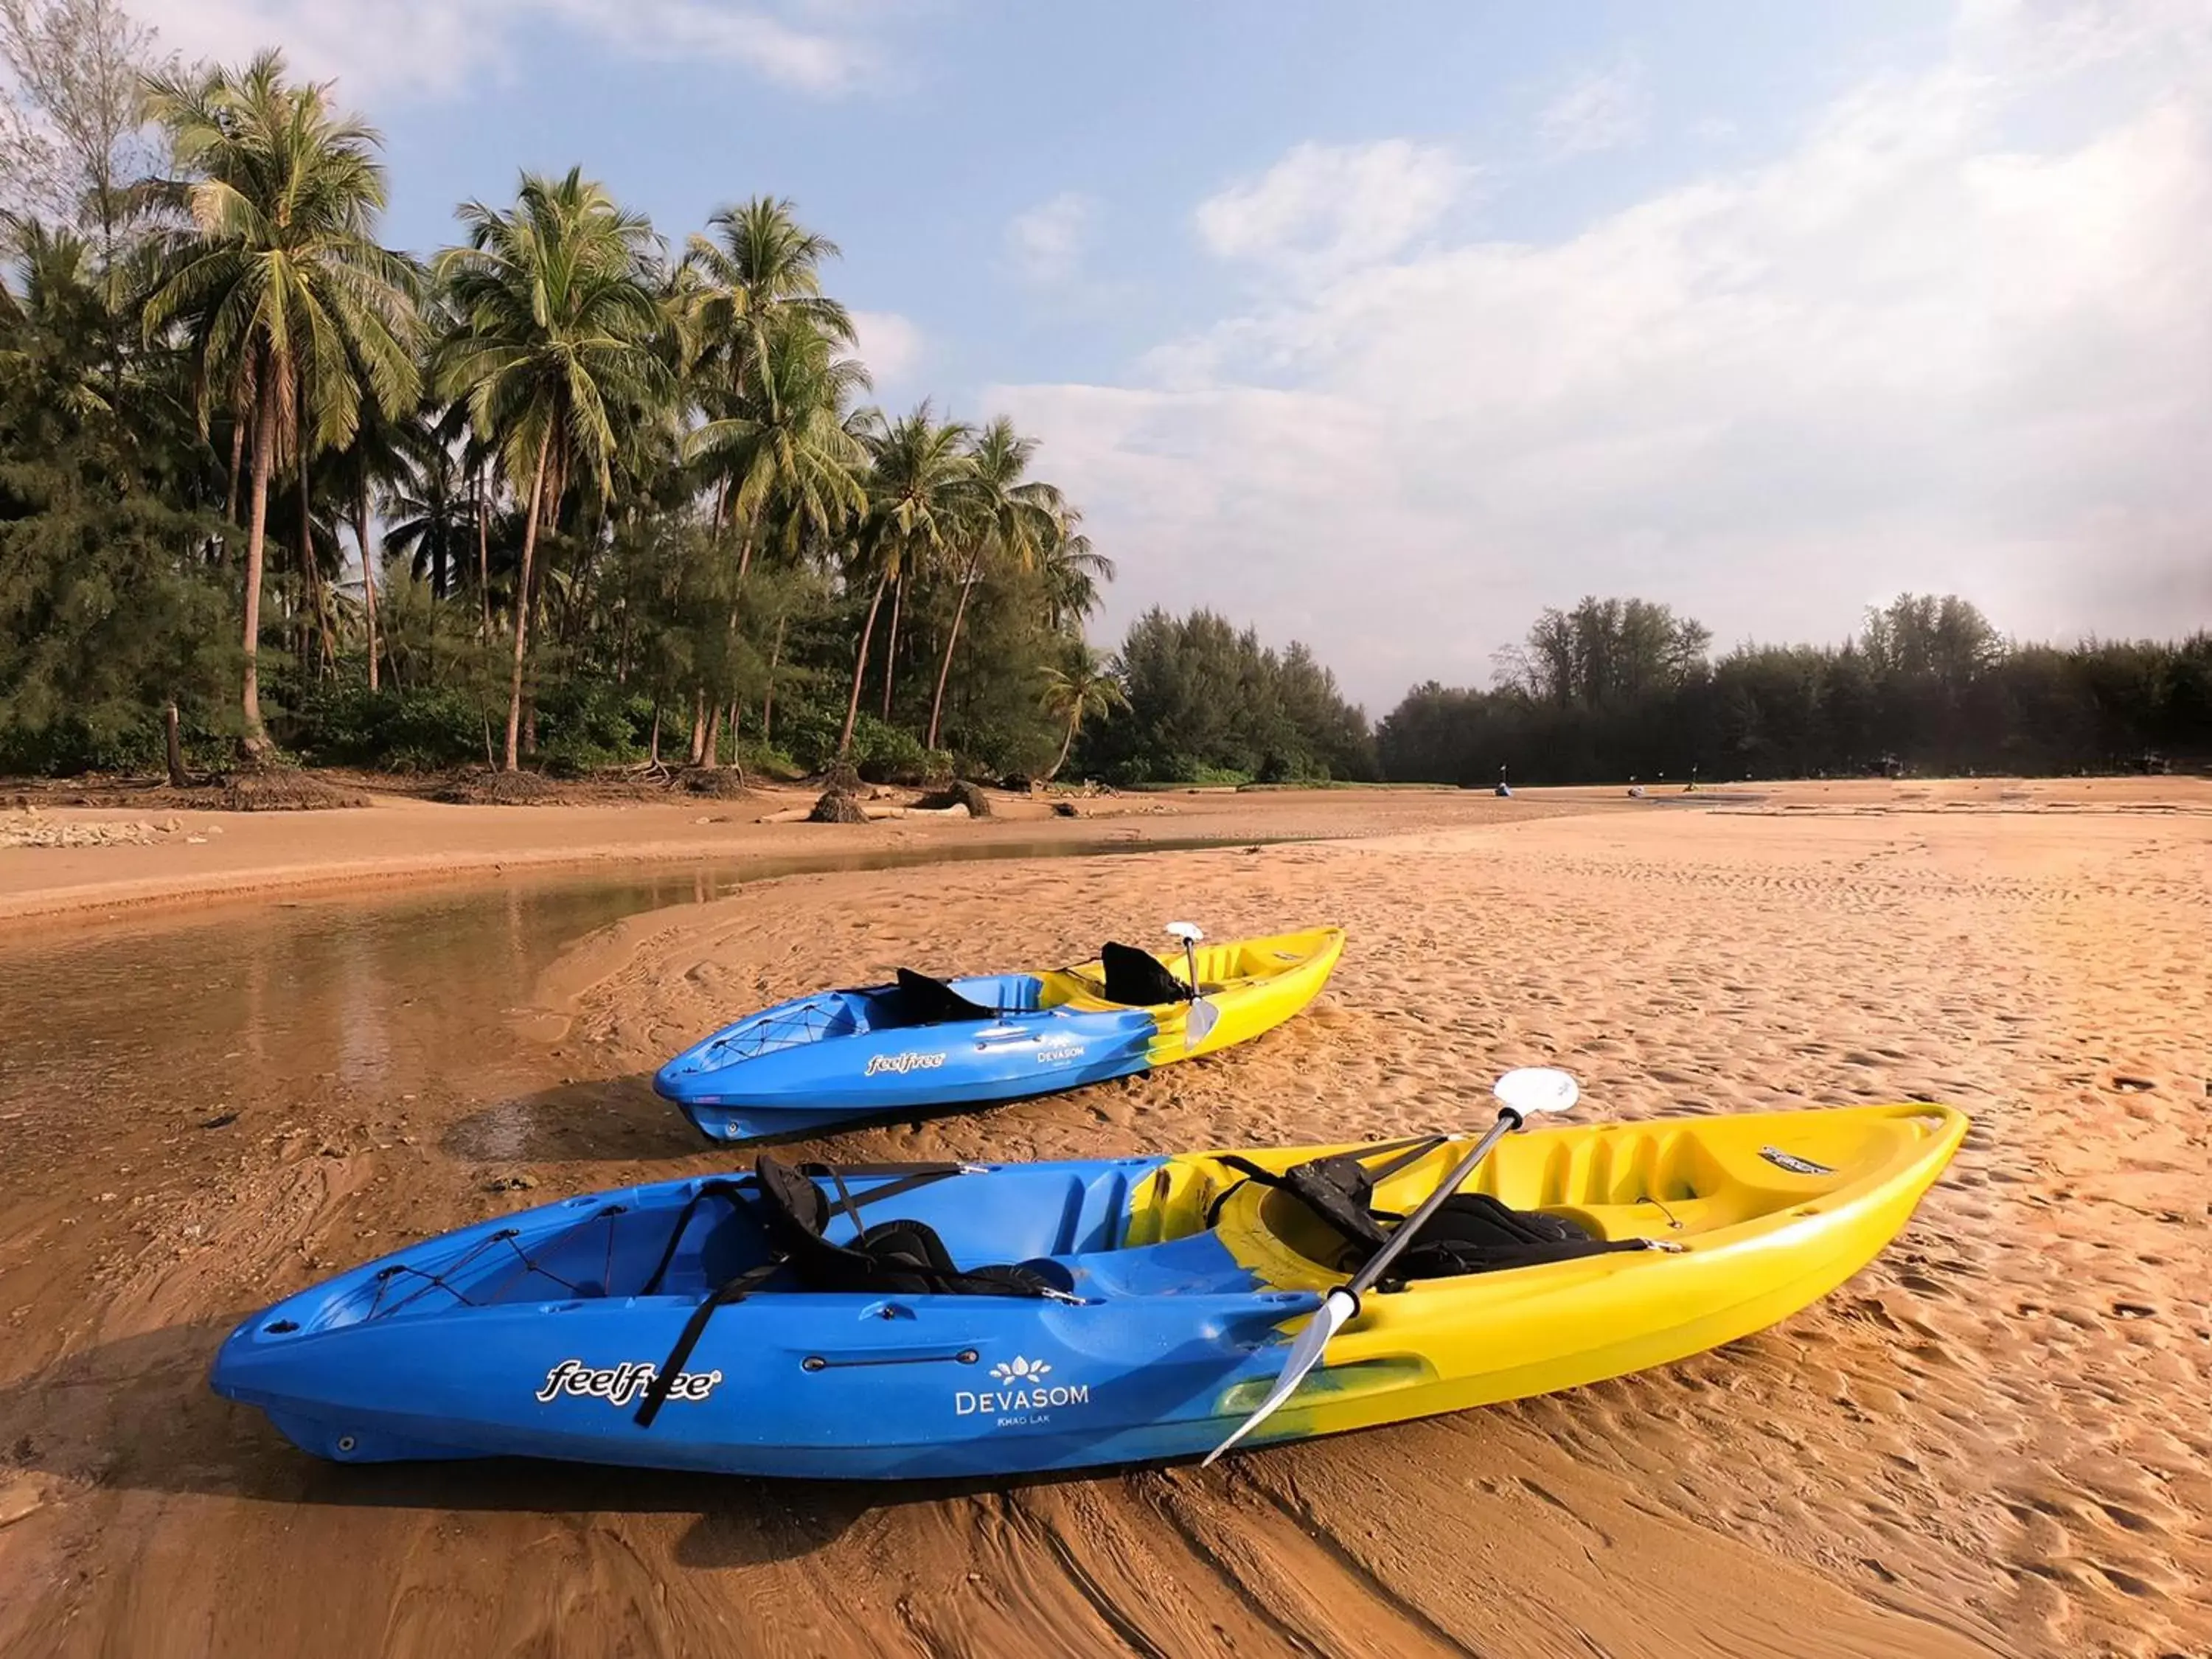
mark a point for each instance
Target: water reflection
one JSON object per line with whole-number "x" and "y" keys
{"x": 367, "y": 1001}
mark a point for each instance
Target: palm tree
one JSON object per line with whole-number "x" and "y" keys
{"x": 380, "y": 461}
{"x": 429, "y": 504}
{"x": 1072, "y": 572}
{"x": 61, "y": 318}
{"x": 555, "y": 318}
{"x": 757, "y": 274}
{"x": 790, "y": 447}
{"x": 280, "y": 288}
{"x": 790, "y": 450}
{"x": 1009, "y": 520}
{"x": 920, "y": 484}
{"x": 1086, "y": 687}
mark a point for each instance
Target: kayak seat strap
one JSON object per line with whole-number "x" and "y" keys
{"x": 1338, "y": 1189}
{"x": 1469, "y": 1233}
{"x": 899, "y": 1257}
{"x": 663, "y": 1379}
{"x": 732, "y": 1191}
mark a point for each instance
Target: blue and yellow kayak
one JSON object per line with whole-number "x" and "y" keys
{"x": 922, "y": 1046}
{"x": 1058, "y": 1316}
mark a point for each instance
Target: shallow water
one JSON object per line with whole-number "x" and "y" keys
{"x": 378, "y": 999}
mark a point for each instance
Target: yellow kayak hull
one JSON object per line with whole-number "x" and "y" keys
{"x": 1254, "y": 984}
{"x": 1763, "y": 1214}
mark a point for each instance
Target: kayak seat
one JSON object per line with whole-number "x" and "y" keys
{"x": 922, "y": 1000}
{"x": 1137, "y": 979}
{"x": 887, "y": 1258}
{"x": 1470, "y": 1232}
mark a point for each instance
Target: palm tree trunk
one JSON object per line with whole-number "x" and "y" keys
{"x": 255, "y": 741}
{"x": 861, "y": 666}
{"x": 653, "y": 749}
{"x": 710, "y": 751}
{"x": 324, "y": 627}
{"x": 891, "y": 645}
{"x": 483, "y": 554}
{"x": 237, "y": 463}
{"x": 698, "y": 723}
{"x": 173, "y": 745}
{"x": 522, "y": 607}
{"x": 951, "y": 643}
{"x": 367, "y": 574}
{"x": 768, "y": 700}
{"x": 1065, "y": 744}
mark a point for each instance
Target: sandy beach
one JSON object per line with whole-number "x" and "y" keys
{"x": 1995, "y": 1440}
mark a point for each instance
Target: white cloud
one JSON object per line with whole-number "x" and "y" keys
{"x": 1047, "y": 244}
{"x": 436, "y": 48}
{"x": 1324, "y": 208}
{"x": 889, "y": 345}
{"x": 1605, "y": 109}
{"x": 1908, "y": 353}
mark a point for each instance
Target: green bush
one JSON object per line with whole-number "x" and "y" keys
{"x": 70, "y": 746}
{"x": 808, "y": 734}
{"x": 348, "y": 725}
{"x": 889, "y": 754}
{"x": 586, "y": 724}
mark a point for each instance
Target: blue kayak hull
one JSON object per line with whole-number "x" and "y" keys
{"x": 532, "y": 1336}
{"x": 830, "y": 1060}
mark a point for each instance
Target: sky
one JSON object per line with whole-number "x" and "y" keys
{"x": 1384, "y": 327}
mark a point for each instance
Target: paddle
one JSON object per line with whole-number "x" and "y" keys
{"x": 1203, "y": 1016}
{"x": 1520, "y": 1094}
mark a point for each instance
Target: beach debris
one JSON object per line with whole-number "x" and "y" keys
{"x": 511, "y": 1183}
{"x": 838, "y": 806}
{"x": 221, "y": 1121}
{"x": 282, "y": 789}
{"x": 479, "y": 787}
{"x": 717, "y": 783}
{"x": 961, "y": 793}
{"x": 31, "y": 830}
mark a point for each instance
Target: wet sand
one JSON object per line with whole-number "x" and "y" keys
{"x": 1995, "y": 1440}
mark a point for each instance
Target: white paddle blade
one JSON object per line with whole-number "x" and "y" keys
{"x": 1305, "y": 1353}
{"x": 1198, "y": 1025}
{"x": 1188, "y": 932}
{"x": 1534, "y": 1089}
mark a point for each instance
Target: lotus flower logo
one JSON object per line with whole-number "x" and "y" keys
{"x": 1018, "y": 1369}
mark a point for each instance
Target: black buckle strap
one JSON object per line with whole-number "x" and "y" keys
{"x": 735, "y": 1289}
{"x": 1410, "y": 1152}
{"x": 730, "y": 1291}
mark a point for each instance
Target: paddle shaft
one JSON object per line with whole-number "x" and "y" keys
{"x": 1379, "y": 1263}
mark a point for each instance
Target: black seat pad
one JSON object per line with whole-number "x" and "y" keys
{"x": 901, "y": 1257}
{"x": 1137, "y": 979}
{"x": 1470, "y": 1232}
{"x": 925, "y": 1001}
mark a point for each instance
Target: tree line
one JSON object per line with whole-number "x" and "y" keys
{"x": 566, "y": 493}
{"x": 1616, "y": 690}
{"x": 561, "y": 490}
